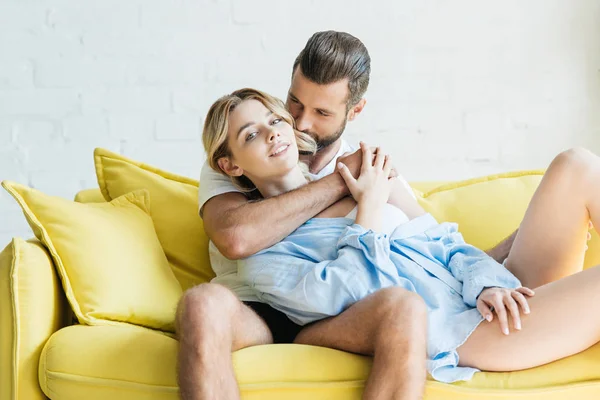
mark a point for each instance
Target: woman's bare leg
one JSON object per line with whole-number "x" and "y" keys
{"x": 561, "y": 324}
{"x": 551, "y": 240}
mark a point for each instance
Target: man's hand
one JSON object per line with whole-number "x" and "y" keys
{"x": 353, "y": 161}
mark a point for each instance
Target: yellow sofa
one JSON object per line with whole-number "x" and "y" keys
{"x": 44, "y": 353}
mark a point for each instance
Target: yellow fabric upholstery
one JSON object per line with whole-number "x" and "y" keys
{"x": 80, "y": 362}
{"x": 108, "y": 257}
{"x": 490, "y": 208}
{"x": 135, "y": 363}
{"x": 174, "y": 211}
{"x": 32, "y": 308}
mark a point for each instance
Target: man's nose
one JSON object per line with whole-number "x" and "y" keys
{"x": 303, "y": 123}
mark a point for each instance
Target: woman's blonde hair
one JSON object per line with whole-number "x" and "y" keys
{"x": 216, "y": 125}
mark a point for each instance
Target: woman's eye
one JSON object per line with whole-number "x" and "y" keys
{"x": 276, "y": 121}
{"x": 251, "y": 136}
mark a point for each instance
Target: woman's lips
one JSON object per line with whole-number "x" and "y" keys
{"x": 281, "y": 150}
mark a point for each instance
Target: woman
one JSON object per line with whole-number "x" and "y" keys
{"x": 354, "y": 248}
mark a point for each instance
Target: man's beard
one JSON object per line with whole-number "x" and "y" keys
{"x": 325, "y": 142}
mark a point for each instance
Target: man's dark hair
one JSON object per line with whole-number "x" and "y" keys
{"x": 331, "y": 56}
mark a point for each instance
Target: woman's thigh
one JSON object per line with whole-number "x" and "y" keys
{"x": 561, "y": 323}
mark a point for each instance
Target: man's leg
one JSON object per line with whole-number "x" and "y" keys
{"x": 211, "y": 324}
{"x": 391, "y": 325}
{"x": 550, "y": 243}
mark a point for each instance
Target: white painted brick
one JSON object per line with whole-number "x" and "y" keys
{"x": 132, "y": 128}
{"x": 86, "y": 128}
{"x": 131, "y": 100}
{"x": 176, "y": 157}
{"x": 7, "y": 202}
{"x": 40, "y": 45}
{"x": 255, "y": 12}
{"x": 16, "y": 75}
{"x": 76, "y": 73}
{"x": 185, "y": 15}
{"x": 195, "y": 99}
{"x": 51, "y": 103}
{"x": 65, "y": 185}
{"x": 179, "y": 126}
{"x": 13, "y": 224}
{"x": 6, "y": 132}
{"x": 130, "y": 45}
{"x": 148, "y": 44}
{"x": 91, "y": 16}
{"x": 12, "y": 164}
{"x": 60, "y": 158}
{"x": 484, "y": 130}
{"x": 18, "y": 16}
{"x": 138, "y": 76}
{"x": 152, "y": 73}
{"x": 36, "y": 133}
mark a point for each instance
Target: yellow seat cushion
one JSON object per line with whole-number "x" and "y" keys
{"x": 133, "y": 363}
{"x": 174, "y": 211}
{"x": 109, "y": 259}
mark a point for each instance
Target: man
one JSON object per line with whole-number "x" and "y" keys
{"x": 329, "y": 79}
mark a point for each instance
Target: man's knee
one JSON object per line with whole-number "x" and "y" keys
{"x": 402, "y": 312}
{"x": 206, "y": 306}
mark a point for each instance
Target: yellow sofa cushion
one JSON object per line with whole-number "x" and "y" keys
{"x": 83, "y": 362}
{"x": 174, "y": 211}
{"x": 107, "y": 255}
{"x": 489, "y": 208}
{"x": 32, "y": 308}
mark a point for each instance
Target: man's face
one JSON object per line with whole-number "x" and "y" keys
{"x": 319, "y": 110}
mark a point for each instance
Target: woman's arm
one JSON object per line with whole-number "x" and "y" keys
{"x": 403, "y": 199}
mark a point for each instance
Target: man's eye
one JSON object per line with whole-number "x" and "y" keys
{"x": 251, "y": 136}
{"x": 323, "y": 114}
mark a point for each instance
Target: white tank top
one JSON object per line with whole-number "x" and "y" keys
{"x": 392, "y": 217}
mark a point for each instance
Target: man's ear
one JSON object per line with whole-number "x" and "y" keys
{"x": 229, "y": 167}
{"x": 356, "y": 109}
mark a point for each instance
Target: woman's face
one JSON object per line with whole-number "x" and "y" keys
{"x": 262, "y": 144}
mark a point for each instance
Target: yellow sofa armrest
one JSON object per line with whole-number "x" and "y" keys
{"x": 32, "y": 308}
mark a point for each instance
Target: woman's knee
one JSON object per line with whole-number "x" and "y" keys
{"x": 207, "y": 305}
{"x": 577, "y": 160}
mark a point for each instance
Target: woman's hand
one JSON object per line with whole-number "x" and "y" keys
{"x": 372, "y": 187}
{"x": 499, "y": 300}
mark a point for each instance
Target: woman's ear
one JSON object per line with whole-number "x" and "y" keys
{"x": 357, "y": 109}
{"x": 229, "y": 167}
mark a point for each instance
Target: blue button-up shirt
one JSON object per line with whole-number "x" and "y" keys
{"x": 328, "y": 264}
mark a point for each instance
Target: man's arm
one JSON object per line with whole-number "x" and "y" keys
{"x": 501, "y": 250}
{"x": 240, "y": 228}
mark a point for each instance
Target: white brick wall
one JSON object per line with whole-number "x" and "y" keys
{"x": 458, "y": 88}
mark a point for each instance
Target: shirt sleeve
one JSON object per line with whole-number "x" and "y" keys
{"x": 307, "y": 290}
{"x": 212, "y": 184}
{"x": 476, "y": 270}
